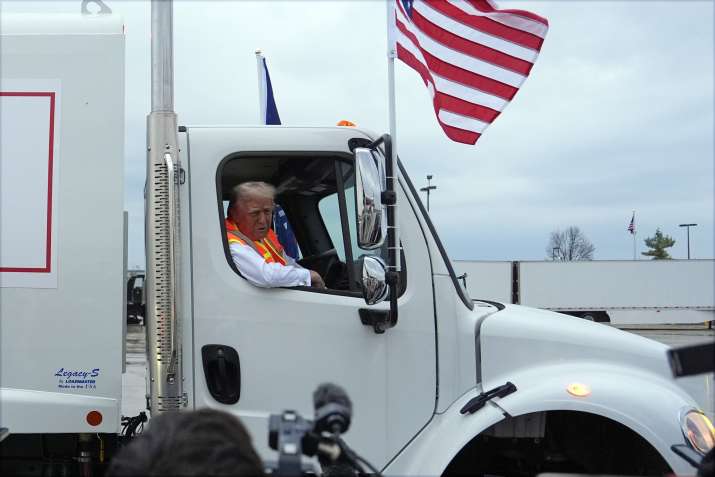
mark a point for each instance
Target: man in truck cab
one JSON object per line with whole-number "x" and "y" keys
{"x": 254, "y": 247}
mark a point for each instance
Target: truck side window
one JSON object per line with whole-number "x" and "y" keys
{"x": 317, "y": 195}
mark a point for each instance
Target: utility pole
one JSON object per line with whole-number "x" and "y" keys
{"x": 428, "y": 188}
{"x": 687, "y": 226}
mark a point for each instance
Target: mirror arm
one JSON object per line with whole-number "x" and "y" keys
{"x": 389, "y": 198}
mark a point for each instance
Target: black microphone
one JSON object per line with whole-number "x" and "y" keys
{"x": 333, "y": 409}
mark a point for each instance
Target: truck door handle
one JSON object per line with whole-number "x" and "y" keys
{"x": 222, "y": 370}
{"x": 378, "y": 319}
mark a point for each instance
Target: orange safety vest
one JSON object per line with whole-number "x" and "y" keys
{"x": 269, "y": 248}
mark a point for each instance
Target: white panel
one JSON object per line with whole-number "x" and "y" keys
{"x": 615, "y": 284}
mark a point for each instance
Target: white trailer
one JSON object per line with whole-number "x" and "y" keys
{"x": 440, "y": 383}
{"x": 616, "y": 291}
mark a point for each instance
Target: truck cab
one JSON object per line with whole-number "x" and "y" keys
{"x": 252, "y": 351}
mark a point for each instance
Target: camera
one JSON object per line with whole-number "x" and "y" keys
{"x": 294, "y": 436}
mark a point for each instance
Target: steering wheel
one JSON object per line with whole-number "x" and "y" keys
{"x": 327, "y": 264}
{"x": 320, "y": 262}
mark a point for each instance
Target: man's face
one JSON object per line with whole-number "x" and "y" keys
{"x": 253, "y": 216}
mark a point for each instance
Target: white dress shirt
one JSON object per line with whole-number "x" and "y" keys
{"x": 255, "y": 269}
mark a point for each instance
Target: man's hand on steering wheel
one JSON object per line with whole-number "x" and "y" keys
{"x": 316, "y": 281}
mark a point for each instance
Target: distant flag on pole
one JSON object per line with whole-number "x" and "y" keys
{"x": 632, "y": 225}
{"x": 269, "y": 112}
{"x": 472, "y": 57}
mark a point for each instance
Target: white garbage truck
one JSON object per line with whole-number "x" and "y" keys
{"x": 440, "y": 384}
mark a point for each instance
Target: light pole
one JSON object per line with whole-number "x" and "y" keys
{"x": 687, "y": 226}
{"x": 428, "y": 188}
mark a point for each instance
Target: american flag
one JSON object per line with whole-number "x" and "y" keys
{"x": 472, "y": 57}
{"x": 632, "y": 225}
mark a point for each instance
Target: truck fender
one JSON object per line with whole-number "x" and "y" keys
{"x": 431, "y": 451}
{"x": 645, "y": 402}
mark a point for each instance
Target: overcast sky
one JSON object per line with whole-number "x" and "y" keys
{"x": 616, "y": 116}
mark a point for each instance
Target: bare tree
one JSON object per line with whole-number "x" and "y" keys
{"x": 569, "y": 245}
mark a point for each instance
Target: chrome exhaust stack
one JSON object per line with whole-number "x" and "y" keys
{"x": 163, "y": 329}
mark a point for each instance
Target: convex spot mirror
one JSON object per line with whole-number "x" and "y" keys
{"x": 374, "y": 286}
{"x": 371, "y": 214}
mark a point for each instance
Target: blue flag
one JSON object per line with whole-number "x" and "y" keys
{"x": 269, "y": 107}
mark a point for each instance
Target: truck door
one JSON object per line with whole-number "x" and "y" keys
{"x": 284, "y": 342}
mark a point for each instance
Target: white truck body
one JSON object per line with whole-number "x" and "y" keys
{"x": 408, "y": 384}
{"x": 619, "y": 291}
{"x": 61, "y": 326}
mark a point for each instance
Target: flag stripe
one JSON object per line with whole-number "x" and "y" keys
{"x": 469, "y": 44}
{"x": 447, "y": 101}
{"x": 455, "y": 74}
{"x": 488, "y": 86}
{"x": 477, "y": 20}
{"x": 465, "y": 108}
{"x": 432, "y": 13}
{"x": 463, "y": 61}
{"x": 472, "y": 57}
{"x": 460, "y": 135}
{"x": 462, "y": 122}
{"x": 540, "y": 24}
{"x": 456, "y": 134}
{"x": 466, "y": 93}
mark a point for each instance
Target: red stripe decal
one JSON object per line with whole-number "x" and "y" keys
{"x": 50, "y": 161}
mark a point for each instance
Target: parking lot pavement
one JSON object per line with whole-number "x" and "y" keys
{"x": 701, "y": 387}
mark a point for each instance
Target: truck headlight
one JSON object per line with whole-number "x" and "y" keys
{"x": 698, "y": 431}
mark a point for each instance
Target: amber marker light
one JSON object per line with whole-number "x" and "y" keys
{"x": 579, "y": 390}
{"x": 94, "y": 418}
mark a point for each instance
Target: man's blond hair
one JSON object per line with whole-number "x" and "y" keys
{"x": 245, "y": 190}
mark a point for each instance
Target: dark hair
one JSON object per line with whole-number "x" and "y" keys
{"x": 196, "y": 443}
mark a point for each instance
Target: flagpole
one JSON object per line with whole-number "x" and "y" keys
{"x": 391, "y": 55}
{"x": 261, "y": 88}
